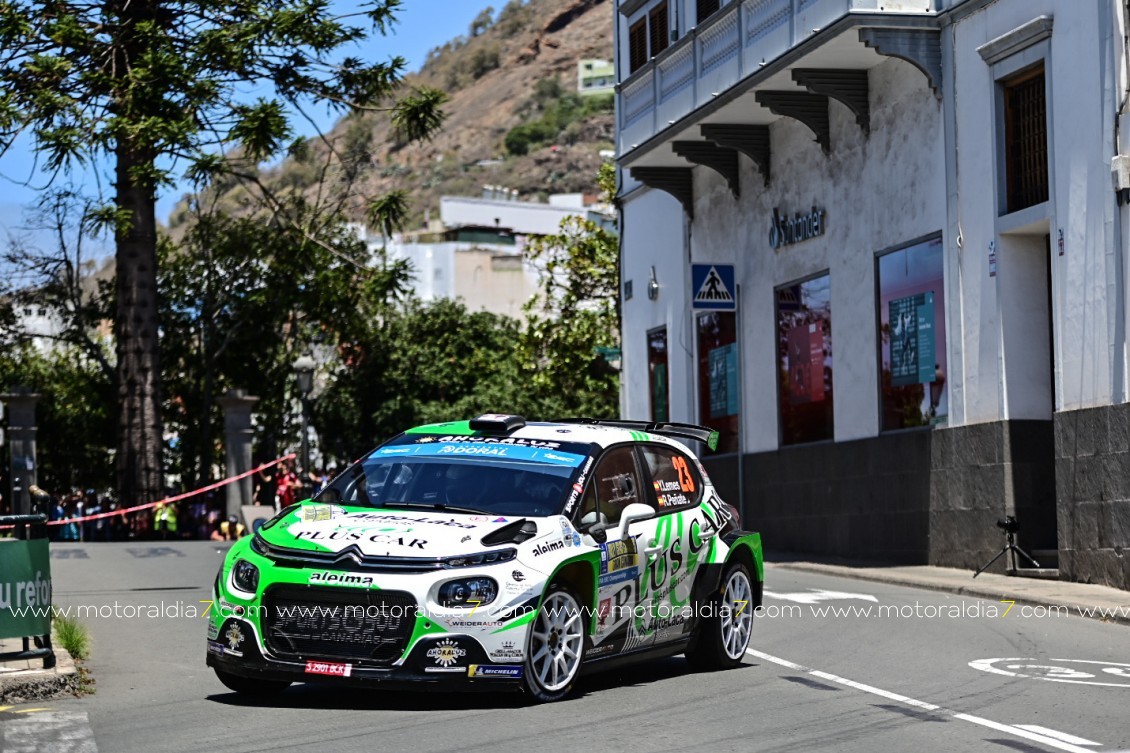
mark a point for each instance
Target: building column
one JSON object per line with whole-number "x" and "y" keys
{"x": 22, "y": 429}
{"x": 237, "y": 405}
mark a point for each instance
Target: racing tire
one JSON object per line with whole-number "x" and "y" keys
{"x": 725, "y": 631}
{"x": 555, "y": 646}
{"x": 249, "y": 686}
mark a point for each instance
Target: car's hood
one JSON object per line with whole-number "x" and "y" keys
{"x": 400, "y": 533}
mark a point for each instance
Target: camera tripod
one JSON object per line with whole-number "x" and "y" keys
{"x": 1010, "y": 546}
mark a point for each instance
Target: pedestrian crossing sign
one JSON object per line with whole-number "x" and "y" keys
{"x": 712, "y": 286}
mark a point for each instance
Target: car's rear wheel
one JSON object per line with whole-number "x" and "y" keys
{"x": 555, "y": 646}
{"x": 724, "y": 633}
{"x": 250, "y": 686}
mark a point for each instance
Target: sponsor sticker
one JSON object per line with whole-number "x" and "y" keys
{"x": 328, "y": 668}
{"x": 600, "y": 650}
{"x": 317, "y": 513}
{"x": 213, "y": 630}
{"x": 508, "y": 650}
{"x": 495, "y": 670}
{"x": 547, "y": 547}
{"x": 216, "y": 648}
{"x": 446, "y": 654}
{"x": 341, "y": 579}
{"x": 234, "y": 637}
{"x": 619, "y": 562}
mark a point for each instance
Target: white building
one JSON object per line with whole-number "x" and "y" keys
{"x": 945, "y": 164}
{"x": 476, "y": 251}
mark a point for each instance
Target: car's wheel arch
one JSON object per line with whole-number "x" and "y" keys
{"x": 580, "y": 574}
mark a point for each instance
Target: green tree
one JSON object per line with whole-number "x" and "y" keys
{"x": 576, "y": 312}
{"x": 153, "y": 85}
{"x": 420, "y": 362}
{"x": 76, "y": 428}
{"x": 244, "y": 299}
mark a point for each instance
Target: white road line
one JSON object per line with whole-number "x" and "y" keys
{"x": 54, "y": 731}
{"x": 1057, "y": 734}
{"x": 1043, "y": 735}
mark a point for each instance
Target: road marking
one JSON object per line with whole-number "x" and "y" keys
{"x": 1043, "y": 735}
{"x": 816, "y": 595}
{"x": 54, "y": 731}
{"x": 1057, "y": 734}
{"x": 28, "y": 711}
{"x": 1037, "y": 669}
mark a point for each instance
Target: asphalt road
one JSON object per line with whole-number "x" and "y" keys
{"x": 917, "y": 678}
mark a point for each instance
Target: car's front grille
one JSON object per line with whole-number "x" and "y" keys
{"x": 369, "y": 627}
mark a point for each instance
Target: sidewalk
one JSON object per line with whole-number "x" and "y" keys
{"x": 26, "y": 680}
{"x": 1032, "y": 591}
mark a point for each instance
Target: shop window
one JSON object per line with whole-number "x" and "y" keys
{"x": 912, "y": 336}
{"x": 804, "y": 360}
{"x": 1025, "y": 139}
{"x": 704, "y": 9}
{"x": 657, "y": 375}
{"x": 718, "y": 377}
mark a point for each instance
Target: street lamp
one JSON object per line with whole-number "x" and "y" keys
{"x": 304, "y": 370}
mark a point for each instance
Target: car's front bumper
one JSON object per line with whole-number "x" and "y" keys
{"x": 470, "y": 670}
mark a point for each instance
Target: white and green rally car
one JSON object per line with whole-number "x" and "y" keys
{"x": 492, "y": 553}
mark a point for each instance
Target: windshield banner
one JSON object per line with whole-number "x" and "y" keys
{"x": 493, "y": 451}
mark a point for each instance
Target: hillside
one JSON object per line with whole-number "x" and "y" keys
{"x": 521, "y": 69}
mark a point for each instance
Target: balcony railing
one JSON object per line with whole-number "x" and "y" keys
{"x": 732, "y": 44}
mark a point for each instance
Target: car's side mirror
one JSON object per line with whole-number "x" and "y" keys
{"x": 632, "y": 513}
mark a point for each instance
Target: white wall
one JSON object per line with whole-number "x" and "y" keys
{"x": 653, "y": 235}
{"x": 877, "y": 192}
{"x": 1086, "y": 285}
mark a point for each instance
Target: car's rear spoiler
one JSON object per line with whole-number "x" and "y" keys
{"x": 663, "y": 428}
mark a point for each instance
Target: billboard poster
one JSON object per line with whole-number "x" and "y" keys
{"x": 913, "y": 341}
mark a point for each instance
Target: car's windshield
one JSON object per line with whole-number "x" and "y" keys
{"x": 487, "y": 475}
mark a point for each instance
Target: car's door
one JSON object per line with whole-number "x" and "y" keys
{"x": 616, "y": 483}
{"x": 680, "y": 540}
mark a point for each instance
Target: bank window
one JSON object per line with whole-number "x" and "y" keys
{"x": 704, "y": 9}
{"x": 912, "y": 336}
{"x": 657, "y": 375}
{"x": 615, "y": 485}
{"x": 804, "y": 360}
{"x": 675, "y": 484}
{"x": 718, "y": 377}
{"x": 1025, "y": 139}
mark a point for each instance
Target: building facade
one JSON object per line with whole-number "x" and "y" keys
{"x": 928, "y": 329}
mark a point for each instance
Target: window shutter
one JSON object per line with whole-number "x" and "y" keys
{"x": 660, "y": 30}
{"x": 704, "y": 9}
{"x": 637, "y": 45}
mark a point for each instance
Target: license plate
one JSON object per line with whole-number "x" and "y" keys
{"x": 328, "y": 668}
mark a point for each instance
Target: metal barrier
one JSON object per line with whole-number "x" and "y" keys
{"x": 25, "y": 589}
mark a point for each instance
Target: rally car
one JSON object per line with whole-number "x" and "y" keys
{"x": 493, "y": 553}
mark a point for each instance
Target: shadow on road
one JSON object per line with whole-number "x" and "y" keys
{"x": 324, "y": 696}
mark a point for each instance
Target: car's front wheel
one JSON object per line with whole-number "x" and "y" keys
{"x": 555, "y": 646}
{"x": 249, "y": 686}
{"x": 725, "y": 630}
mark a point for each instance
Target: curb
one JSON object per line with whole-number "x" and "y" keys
{"x": 978, "y": 590}
{"x": 27, "y": 686}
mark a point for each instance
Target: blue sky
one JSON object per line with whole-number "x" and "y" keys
{"x": 422, "y": 25}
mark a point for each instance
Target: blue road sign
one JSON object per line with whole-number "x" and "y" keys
{"x": 712, "y": 287}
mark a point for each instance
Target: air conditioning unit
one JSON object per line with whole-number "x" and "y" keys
{"x": 1120, "y": 172}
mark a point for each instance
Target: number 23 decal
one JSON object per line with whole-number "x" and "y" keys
{"x": 686, "y": 480}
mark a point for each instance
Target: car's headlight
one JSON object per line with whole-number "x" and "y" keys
{"x": 245, "y": 576}
{"x": 482, "y": 558}
{"x": 473, "y": 592}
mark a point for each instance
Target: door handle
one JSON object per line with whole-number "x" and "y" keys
{"x": 652, "y": 549}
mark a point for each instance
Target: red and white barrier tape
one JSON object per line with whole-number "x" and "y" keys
{"x": 166, "y": 500}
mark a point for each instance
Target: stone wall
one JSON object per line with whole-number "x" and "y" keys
{"x": 912, "y": 497}
{"x": 1092, "y": 469}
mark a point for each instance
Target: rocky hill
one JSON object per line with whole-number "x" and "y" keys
{"x": 514, "y": 74}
